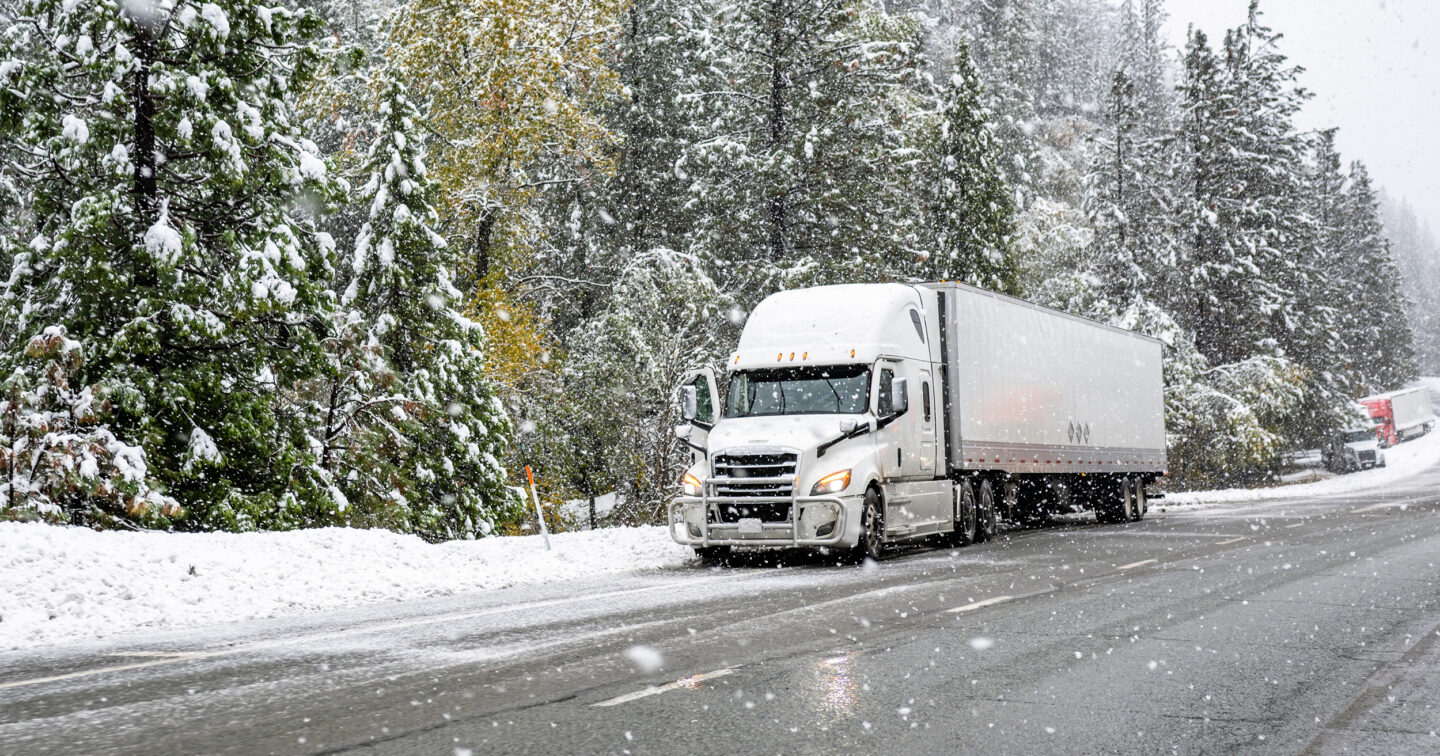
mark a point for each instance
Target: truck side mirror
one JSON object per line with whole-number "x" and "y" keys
{"x": 688, "y": 403}
{"x": 901, "y": 390}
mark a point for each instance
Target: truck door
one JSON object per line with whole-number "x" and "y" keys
{"x": 925, "y": 402}
{"x": 696, "y": 432}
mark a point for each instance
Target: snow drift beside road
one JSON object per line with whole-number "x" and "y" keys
{"x": 1401, "y": 462}
{"x": 66, "y": 585}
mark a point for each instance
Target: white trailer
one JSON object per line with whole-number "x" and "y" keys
{"x": 1413, "y": 416}
{"x": 864, "y": 415}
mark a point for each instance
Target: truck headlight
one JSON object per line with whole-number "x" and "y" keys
{"x": 690, "y": 485}
{"x": 833, "y": 483}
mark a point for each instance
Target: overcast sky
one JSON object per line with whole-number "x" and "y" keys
{"x": 1374, "y": 68}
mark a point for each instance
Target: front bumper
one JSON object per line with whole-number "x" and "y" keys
{"x": 692, "y": 521}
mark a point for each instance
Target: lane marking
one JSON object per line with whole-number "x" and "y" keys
{"x": 1296, "y": 525}
{"x": 182, "y": 656}
{"x": 687, "y": 682}
{"x": 1232, "y": 540}
{"x": 1137, "y": 564}
{"x": 976, "y": 605}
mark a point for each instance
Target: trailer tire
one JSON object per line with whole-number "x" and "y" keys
{"x": 1127, "y": 500}
{"x": 1142, "y": 502}
{"x": 966, "y": 522}
{"x": 1108, "y": 500}
{"x": 872, "y": 542}
{"x": 989, "y": 526}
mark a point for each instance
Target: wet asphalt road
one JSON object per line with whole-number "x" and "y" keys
{"x": 1305, "y": 626}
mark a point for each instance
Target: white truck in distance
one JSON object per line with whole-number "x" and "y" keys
{"x": 864, "y": 415}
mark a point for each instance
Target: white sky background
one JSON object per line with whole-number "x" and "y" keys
{"x": 1374, "y": 68}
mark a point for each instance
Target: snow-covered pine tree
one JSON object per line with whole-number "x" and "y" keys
{"x": 599, "y": 223}
{"x": 1379, "y": 338}
{"x": 1238, "y": 167}
{"x": 1003, "y": 39}
{"x": 621, "y": 353}
{"x": 413, "y": 434}
{"x": 169, "y": 239}
{"x": 1417, "y": 254}
{"x": 969, "y": 211}
{"x": 801, "y": 179}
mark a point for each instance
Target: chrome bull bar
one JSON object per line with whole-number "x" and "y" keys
{"x": 705, "y": 500}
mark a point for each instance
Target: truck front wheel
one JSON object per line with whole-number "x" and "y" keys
{"x": 966, "y": 522}
{"x": 870, "y": 545}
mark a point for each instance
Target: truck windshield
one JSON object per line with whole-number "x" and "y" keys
{"x": 1360, "y": 435}
{"x": 834, "y": 389}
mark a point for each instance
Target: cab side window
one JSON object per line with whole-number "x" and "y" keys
{"x": 885, "y": 399}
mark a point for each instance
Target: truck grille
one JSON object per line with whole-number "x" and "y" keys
{"x": 1367, "y": 456}
{"x": 731, "y": 470}
{"x": 765, "y": 512}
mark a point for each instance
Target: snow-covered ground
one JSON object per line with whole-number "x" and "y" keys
{"x": 67, "y": 585}
{"x": 1401, "y": 462}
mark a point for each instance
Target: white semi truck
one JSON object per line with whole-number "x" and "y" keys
{"x": 865, "y": 415}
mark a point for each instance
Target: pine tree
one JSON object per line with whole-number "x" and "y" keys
{"x": 803, "y": 179}
{"x": 969, "y": 213}
{"x": 413, "y": 433}
{"x": 172, "y": 241}
{"x": 1380, "y": 340}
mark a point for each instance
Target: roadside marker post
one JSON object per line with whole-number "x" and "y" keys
{"x": 539, "y": 513}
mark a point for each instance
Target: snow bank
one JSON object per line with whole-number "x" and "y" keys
{"x": 64, "y": 585}
{"x": 1401, "y": 462}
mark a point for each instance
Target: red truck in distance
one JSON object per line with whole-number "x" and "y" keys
{"x": 1400, "y": 415}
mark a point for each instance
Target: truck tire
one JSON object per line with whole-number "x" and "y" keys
{"x": 989, "y": 525}
{"x": 966, "y": 522}
{"x": 1142, "y": 501}
{"x": 871, "y": 544}
{"x": 1127, "y": 500}
{"x": 1108, "y": 499}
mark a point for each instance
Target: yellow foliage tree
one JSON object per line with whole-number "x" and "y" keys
{"x": 513, "y": 89}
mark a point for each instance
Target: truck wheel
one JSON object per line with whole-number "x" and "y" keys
{"x": 1108, "y": 501}
{"x": 712, "y": 556}
{"x": 966, "y": 522}
{"x": 870, "y": 545}
{"x": 1142, "y": 502}
{"x": 1127, "y": 500}
{"x": 988, "y": 524}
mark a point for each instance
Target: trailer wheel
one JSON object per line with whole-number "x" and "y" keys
{"x": 966, "y": 523}
{"x": 988, "y": 524}
{"x": 1108, "y": 501}
{"x": 1142, "y": 503}
{"x": 871, "y": 544}
{"x": 1127, "y": 500}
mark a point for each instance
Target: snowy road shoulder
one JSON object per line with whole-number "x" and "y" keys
{"x": 69, "y": 585}
{"x": 1402, "y": 462}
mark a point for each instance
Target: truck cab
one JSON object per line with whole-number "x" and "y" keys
{"x": 830, "y": 400}
{"x": 1352, "y": 450}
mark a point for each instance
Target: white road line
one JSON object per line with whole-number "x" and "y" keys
{"x": 1232, "y": 540}
{"x": 688, "y": 682}
{"x": 1137, "y": 564}
{"x": 1381, "y": 505}
{"x": 976, "y": 605}
{"x": 1296, "y": 525}
{"x": 181, "y": 656}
